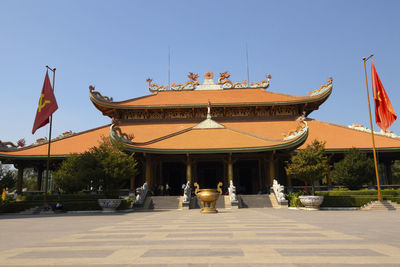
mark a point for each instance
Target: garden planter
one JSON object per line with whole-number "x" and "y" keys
{"x": 109, "y": 205}
{"x": 311, "y": 202}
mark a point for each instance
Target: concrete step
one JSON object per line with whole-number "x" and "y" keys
{"x": 254, "y": 201}
{"x": 164, "y": 202}
{"x": 381, "y": 205}
{"x": 275, "y": 203}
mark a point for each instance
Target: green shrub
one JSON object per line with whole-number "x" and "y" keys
{"x": 310, "y": 164}
{"x": 355, "y": 170}
{"x": 104, "y": 166}
{"x": 347, "y": 201}
{"x": 362, "y": 192}
{"x": 80, "y": 205}
{"x": 126, "y": 203}
{"x": 294, "y": 200}
{"x": 13, "y": 207}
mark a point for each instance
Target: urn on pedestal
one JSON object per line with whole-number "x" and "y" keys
{"x": 208, "y": 198}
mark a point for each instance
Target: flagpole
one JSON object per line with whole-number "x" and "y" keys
{"x": 48, "y": 150}
{"x": 372, "y": 131}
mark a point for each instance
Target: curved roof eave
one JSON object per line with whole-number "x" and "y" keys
{"x": 116, "y": 105}
{"x": 298, "y": 141}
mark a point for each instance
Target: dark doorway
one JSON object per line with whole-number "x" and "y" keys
{"x": 209, "y": 173}
{"x": 246, "y": 176}
{"x": 174, "y": 174}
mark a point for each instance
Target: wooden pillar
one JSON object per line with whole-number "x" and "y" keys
{"x": 132, "y": 183}
{"x": 39, "y": 178}
{"x": 148, "y": 171}
{"x": 388, "y": 170}
{"x": 271, "y": 168}
{"x": 188, "y": 169}
{"x": 230, "y": 168}
{"x": 20, "y": 177}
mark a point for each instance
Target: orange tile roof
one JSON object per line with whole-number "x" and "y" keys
{"x": 236, "y": 96}
{"x": 77, "y": 143}
{"x": 236, "y": 135}
{"x": 145, "y": 132}
{"x": 342, "y": 137}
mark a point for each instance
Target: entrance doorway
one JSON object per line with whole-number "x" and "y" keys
{"x": 246, "y": 176}
{"x": 173, "y": 174}
{"x": 209, "y": 173}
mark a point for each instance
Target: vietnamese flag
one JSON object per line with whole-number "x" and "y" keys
{"x": 47, "y": 105}
{"x": 384, "y": 113}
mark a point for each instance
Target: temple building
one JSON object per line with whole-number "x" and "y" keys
{"x": 210, "y": 132}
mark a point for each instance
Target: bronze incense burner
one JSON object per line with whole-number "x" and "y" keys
{"x": 208, "y": 198}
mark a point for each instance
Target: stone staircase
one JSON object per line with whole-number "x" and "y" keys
{"x": 163, "y": 202}
{"x": 275, "y": 203}
{"x": 381, "y": 205}
{"x": 254, "y": 201}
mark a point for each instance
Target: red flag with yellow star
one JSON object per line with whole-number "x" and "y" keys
{"x": 47, "y": 105}
{"x": 384, "y": 112}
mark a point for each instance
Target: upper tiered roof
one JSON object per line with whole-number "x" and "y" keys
{"x": 223, "y": 94}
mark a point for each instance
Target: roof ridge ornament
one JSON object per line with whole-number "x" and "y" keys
{"x": 98, "y": 95}
{"x": 227, "y": 84}
{"x": 302, "y": 127}
{"x": 155, "y": 87}
{"x": 5, "y": 146}
{"x": 116, "y": 131}
{"x": 322, "y": 88}
{"x": 208, "y": 123}
{"x": 209, "y": 109}
{"x": 189, "y": 85}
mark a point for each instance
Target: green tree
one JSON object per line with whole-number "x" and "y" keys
{"x": 8, "y": 178}
{"x": 104, "y": 166}
{"x": 396, "y": 172}
{"x": 354, "y": 170}
{"x": 309, "y": 164}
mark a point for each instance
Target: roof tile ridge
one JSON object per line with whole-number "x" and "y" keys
{"x": 358, "y": 131}
{"x": 283, "y": 94}
{"x": 163, "y": 137}
{"x": 254, "y": 135}
{"x": 135, "y": 98}
{"x": 61, "y": 139}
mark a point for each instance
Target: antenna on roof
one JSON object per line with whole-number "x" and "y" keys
{"x": 247, "y": 60}
{"x": 169, "y": 67}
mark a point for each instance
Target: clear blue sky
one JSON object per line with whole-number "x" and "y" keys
{"x": 116, "y": 45}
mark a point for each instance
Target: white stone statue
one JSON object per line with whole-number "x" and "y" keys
{"x": 232, "y": 193}
{"x": 187, "y": 193}
{"x": 278, "y": 191}
{"x": 141, "y": 193}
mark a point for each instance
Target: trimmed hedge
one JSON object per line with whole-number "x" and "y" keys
{"x": 69, "y": 202}
{"x": 363, "y": 192}
{"x": 347, "y": 198}
{"x": 65, "y": 197}
{"x": 12, "y": 206}
{"x": 347, "y": 201}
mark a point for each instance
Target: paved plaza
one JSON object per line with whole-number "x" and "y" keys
{"x": 244, "y": 237}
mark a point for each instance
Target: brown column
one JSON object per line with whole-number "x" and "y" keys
{"x": 388, "y": 170}
{"x": 230, "y": 168}
{"x": 271, "y": 168}
{"x": 148, "y": 171}
{"x": 132, "y": 183}
{"x": 39, "y": 178}
{"x": 20, "y": 177}
{"x": 188, "y": 169}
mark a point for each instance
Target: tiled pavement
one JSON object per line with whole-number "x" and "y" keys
{"x": 245, "y": 237}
